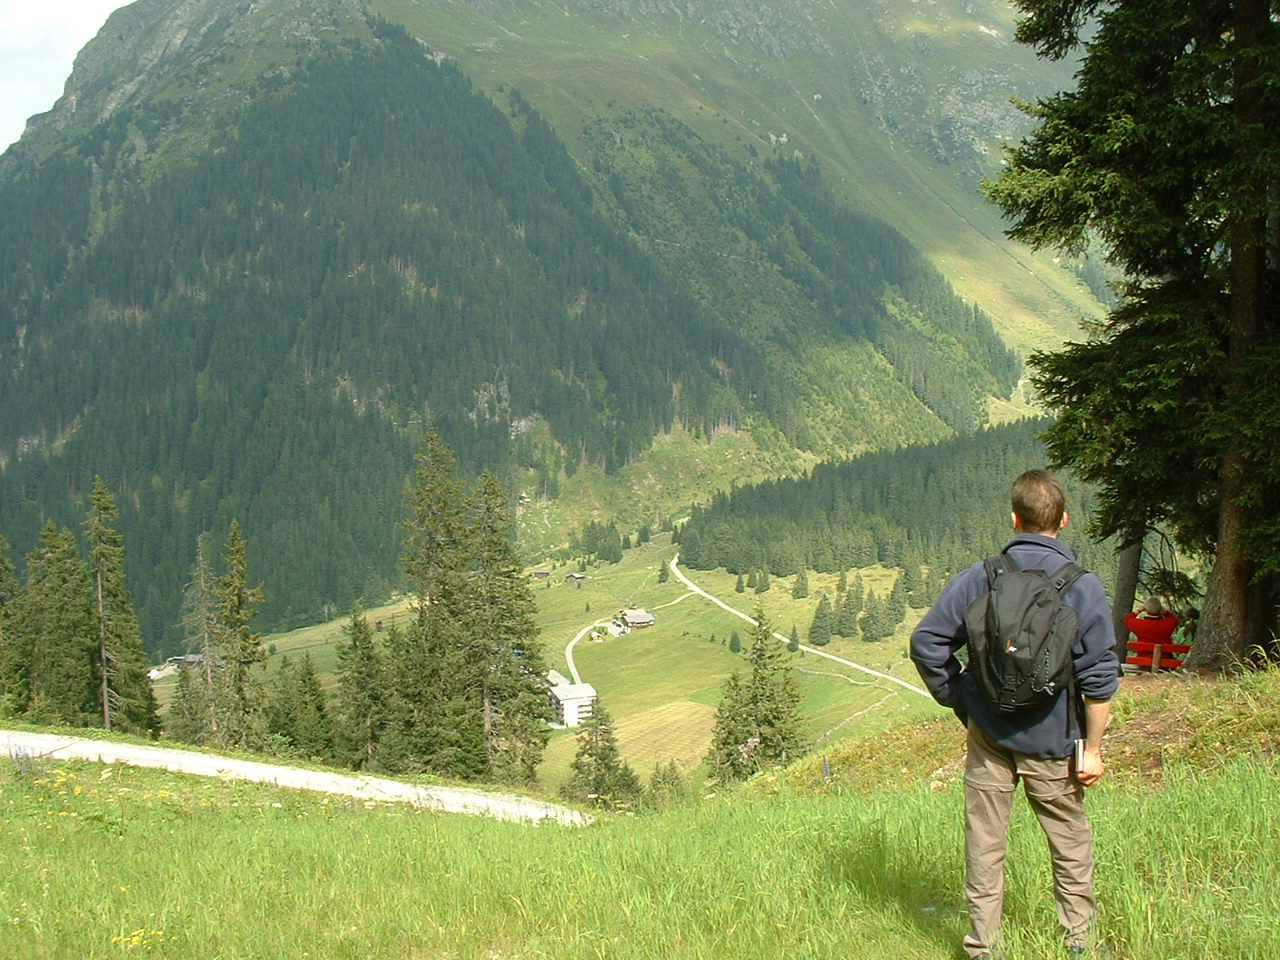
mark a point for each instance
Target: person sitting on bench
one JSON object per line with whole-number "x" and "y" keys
{"x": 1152, "y": 623}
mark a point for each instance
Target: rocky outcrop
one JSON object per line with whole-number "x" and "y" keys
{"x": 171, "y": 47}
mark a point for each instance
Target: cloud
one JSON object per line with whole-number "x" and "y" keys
{"x": 38, "y": 44}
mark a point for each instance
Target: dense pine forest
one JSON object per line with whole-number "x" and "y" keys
{"x": 931, "y": 510}
{"x": 253, "y": 314}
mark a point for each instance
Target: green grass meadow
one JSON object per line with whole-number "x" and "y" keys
{"x": 101, "y": 862}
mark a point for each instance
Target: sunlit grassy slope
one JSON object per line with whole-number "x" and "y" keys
{"x": 863, "y": 863}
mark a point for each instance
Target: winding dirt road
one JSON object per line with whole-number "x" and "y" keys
{"x": 679, "y": 574}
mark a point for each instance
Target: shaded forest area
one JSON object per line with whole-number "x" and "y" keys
{"x": 935, "y": 507}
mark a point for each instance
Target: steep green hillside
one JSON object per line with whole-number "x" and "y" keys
{"x": 237, "y": 277}
{"x": 906, "y": 105}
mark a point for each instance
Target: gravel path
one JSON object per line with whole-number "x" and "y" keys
{"x": 441, "y": 799}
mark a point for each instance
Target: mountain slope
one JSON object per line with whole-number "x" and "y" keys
{"x": 905, "y": 104}
{"x": 258, "y": 246}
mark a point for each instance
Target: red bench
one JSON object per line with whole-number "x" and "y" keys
{"x": 1156, "y": 656}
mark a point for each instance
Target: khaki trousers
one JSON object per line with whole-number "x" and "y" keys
{"x": 1057, "y": 798}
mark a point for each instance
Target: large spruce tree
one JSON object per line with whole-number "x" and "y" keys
{"x": 435, "y": 721}
{"x": 500, "y": 617}
{"x": 466, "y": 694}
{"x": 238, "y": 695}
{"x": 126, "y": 699}
{"x": 1166, "y": 155}
{"x": 361, "y": 710}
{"x": 758, "y": 721}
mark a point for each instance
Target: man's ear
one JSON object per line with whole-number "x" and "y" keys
{"x": 1066, "y": 517}
{"x": 1013, "y": 517}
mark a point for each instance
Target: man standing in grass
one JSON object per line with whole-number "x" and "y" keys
{"x": 1035, "y": 745}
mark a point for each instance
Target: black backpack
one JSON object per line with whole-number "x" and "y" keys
{"x": 1021, "y": 635}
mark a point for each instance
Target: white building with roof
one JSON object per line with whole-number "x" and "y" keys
{"x": 573, "y": 703}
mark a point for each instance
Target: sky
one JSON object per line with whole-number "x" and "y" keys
{"x": 39, "y": 40}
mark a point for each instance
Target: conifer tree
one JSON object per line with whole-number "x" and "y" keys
{"x": 297, "y": 715}
{"x": 55, "y": 633}
{"x": 845, "y": 617}
{"x": 190, "y": 710}
{"x": 775, "y": 696}
{"x": 280, "y": 709}
{"x": 434, "y": 721}
{"x": 875, "y": 626}
{"x": 800, "y": 586}
{"x": 433, "y": 557}
{"x": 435, "y": 715}
{"x": 758, "y": 719}
{"x": 793, "y": 644}
{"x": 126, "y": 698}
{"x": 313, "y": 728}
{"x": 192, "y": 707}
{"x": 1165, "y": 154}
{"x": 361, "y": 713}
{"x": 858, "y": 588}
{"x": 896, "y": 605}
{"x": 237, "y": 701}
{"x": 739, "y": 587}
{"x": 600, "y": 775}
{"x": 13, "y": 687}
{"x": 727, "y": 759}
{"x": 820, "y": 630}
{"x": 913, "y": 584}
{"x": 500, "y": 617}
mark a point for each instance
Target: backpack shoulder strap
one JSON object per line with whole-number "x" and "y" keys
{"x": 1067, "y": 575}
{"x": 1000, "y": 563}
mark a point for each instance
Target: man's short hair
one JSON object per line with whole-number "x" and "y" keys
{"x": 1039, "y": 502}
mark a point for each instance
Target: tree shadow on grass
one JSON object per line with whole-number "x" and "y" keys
{"x": 907, "y": 879}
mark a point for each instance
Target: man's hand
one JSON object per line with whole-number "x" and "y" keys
{"x": 1097, "y": 714}
{"x": 1090, "y": 769}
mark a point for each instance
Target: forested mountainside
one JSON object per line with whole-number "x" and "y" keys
{"x": 242, "y": 290}
{"x": 935, "y": 508}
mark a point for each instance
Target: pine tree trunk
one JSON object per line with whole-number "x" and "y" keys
{"x": 103, "y": 658}
{"x": 1129, "y": 563}
{"x": 1222, "y": 637}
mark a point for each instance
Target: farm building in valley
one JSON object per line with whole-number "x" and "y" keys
{"x": 637, "y": 618}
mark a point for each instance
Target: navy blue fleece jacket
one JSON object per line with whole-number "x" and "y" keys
{"x": 1040, "y": 732}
